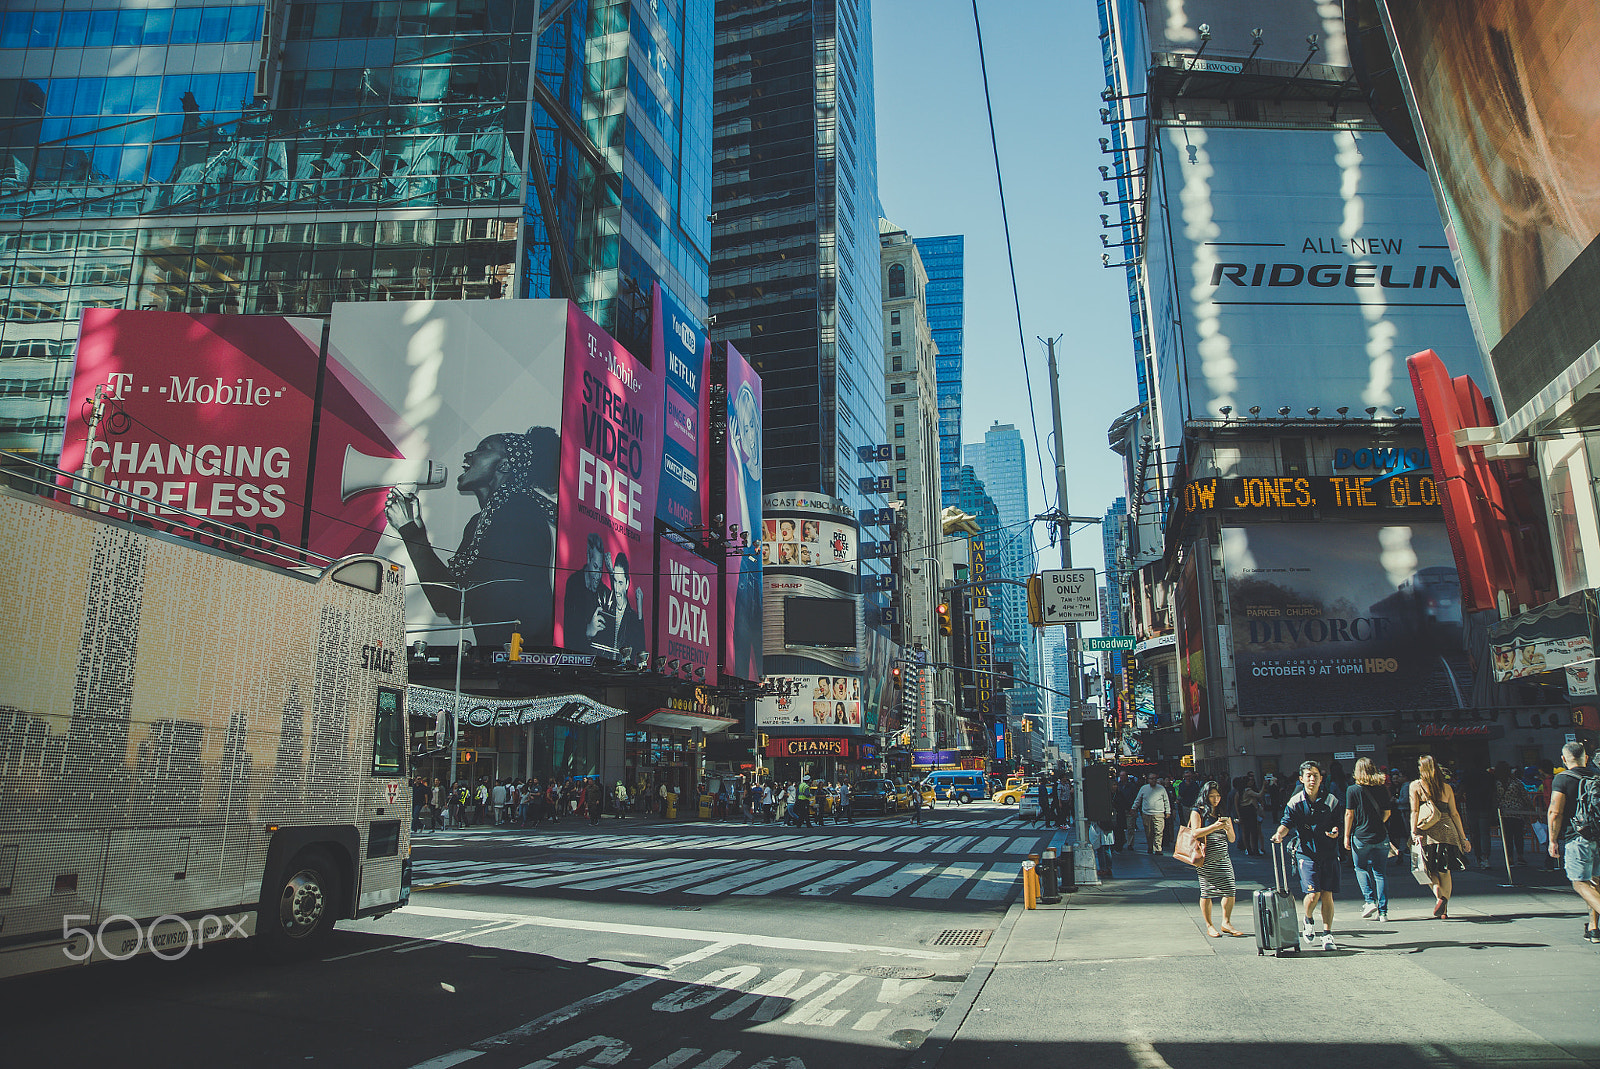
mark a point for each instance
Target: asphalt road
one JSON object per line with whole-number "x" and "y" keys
{"x": 631, "y": 944}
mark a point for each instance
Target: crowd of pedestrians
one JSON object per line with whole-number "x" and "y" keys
{"x": 1433, "y": 823}
{"x": 521, "y": 803}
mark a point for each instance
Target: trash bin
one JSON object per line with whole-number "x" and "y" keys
{"x": 1049, "y": 877}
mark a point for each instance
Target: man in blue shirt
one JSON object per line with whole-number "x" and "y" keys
{"x": 1315, "y": 818}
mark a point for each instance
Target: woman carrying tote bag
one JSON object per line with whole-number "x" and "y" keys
{"x": 1208, "y": 825}
{"x": 1436, "y": 827}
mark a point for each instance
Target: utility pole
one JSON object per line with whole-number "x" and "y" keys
{"x": 1086, "y": 872}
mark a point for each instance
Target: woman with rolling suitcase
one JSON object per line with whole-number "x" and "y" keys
{"x": 1208, "y": 823}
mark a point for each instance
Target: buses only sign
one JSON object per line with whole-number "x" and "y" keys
{"x": 1070, "y": 596}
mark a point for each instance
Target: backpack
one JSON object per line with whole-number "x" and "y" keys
{"x": 1586, "y": 809}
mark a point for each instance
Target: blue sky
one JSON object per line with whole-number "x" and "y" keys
{"x": 936, "y": 176}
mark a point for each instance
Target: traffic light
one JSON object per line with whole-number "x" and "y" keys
{"x": 514, "y": 647}
{"x": 944, "y": 618}
{"x": 761, "y": 743}
{"x": 1036, "y": 600}
{"x": 894, "y": 675}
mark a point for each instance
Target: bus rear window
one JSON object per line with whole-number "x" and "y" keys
{"x": 389, "y": 734}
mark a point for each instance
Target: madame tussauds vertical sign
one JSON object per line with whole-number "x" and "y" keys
{"x": 610, "y": 470}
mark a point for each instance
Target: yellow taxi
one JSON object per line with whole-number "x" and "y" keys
{"x": 1012, "y": 792}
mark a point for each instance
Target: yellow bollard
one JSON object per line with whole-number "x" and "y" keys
{"x": 1030, "y": 886}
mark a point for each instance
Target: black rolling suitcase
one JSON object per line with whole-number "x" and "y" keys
{"x": 1277, "y": 922}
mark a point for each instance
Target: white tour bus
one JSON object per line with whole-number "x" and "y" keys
{"x": 195, "y": 743}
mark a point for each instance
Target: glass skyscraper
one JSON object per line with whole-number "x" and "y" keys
{"x": 944, "y": 258}
{"x": 795, "y": 269}
{"x": 1001, "y": 462}
{"x": 235, "y": 157}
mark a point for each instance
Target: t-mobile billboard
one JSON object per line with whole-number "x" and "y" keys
{"x": 686, "y": 609}
{"x": 611, "y": 442}
{"x": 213, "y": 414}
{"x": 680, "y": 357}
{"x": 741, "y": 575}
{"x": 479, "y": 381}
{"x": 1307, "y": 265}
{"x": 1344, "y": 618}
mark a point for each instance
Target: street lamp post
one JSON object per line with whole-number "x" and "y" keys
{"x": 461, "y": 625}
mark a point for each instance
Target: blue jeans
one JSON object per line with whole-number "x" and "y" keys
{"x": 1371, "y": 863}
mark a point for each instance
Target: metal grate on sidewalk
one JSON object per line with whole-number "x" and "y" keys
{"x": 964, "y": 937}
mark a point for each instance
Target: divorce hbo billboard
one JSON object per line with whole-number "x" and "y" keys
{"x": 1306, "y": 265}
{"x": 1344, "y": 618}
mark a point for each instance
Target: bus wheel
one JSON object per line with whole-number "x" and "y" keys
{"x": 965, "y": 798}
{"x": 298, "y": 915}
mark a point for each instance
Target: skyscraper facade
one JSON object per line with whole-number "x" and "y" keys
{"x": 241, "y": 157}
{"x": 1111, "y": 542}
{"x": 795, "y": 265}
{"x": 945, "y": 260}
{"x": 1001, "y": 462}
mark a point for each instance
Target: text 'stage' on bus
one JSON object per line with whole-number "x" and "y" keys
{"x": 200, "y": 737}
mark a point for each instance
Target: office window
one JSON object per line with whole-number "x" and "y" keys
{"x": 897, "y": 387}
{"x": 900, "y": 475}
{"x": 901, "y": 495}
{"x": 897, "y": 280}
{"x": 897, "y": 363}
{"x": 894, "y": 337}
{"x": 899, "y": 452}
{"x": 899, "y": 430}
{"x": 899, "y": 410}
{"x": 894, "y": 319}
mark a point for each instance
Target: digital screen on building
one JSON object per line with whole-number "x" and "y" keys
{"x": 1341, "y": 492}
{"x": 819, "y": 622}
{"x": 813, "y": 701}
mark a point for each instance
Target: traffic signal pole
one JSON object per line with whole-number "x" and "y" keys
{"x": 1085, "y": 870}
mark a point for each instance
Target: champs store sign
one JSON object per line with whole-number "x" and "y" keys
{"x": 813, "y": 748}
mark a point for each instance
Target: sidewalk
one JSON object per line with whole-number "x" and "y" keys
{"x": 1124, "y": 975}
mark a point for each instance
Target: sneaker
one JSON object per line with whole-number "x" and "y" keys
{"x": 1383, "y": 918}
{"x": 1327, "y": 941}
{"x": 1591, "y": 934}
{"x": 1369, "y": 910}
{"x": 1311, "y": 930}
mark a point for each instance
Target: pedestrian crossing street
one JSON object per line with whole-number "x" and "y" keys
{"x": 943, "y": 867}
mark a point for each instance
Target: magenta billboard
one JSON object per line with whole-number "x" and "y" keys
{"x": 687, "y": 610}
{"x": 741, "y": 579}
{"x": 610, "y": 469}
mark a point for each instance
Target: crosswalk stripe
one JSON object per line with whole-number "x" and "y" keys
{"x": 948, "y": 882}
{"x": 991, "y": 845}
{"x": 996, "y": 882}
{"x": 656, "y": 867}
{"x": 722, "y": 886}
{"x": 840, "y": 880}
{"x": 897, "y": 882}
{"x": 792, "y": 879}
{"x": 919, "y": 846}
{"x": 564, "y": 877}
{"x": 672, "y": 883}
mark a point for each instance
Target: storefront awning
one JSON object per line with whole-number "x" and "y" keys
{"x": 1545, "y": 639}
{"x": 685, "y": 720}
{"x": 480, "y": 711}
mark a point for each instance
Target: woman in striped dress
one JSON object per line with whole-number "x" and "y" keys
{"x": 1216, "y": 871}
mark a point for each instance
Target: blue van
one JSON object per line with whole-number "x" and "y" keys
{"x": 958, "y": 785}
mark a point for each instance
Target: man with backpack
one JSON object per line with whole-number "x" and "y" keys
{"x": 1575, "y": 830}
